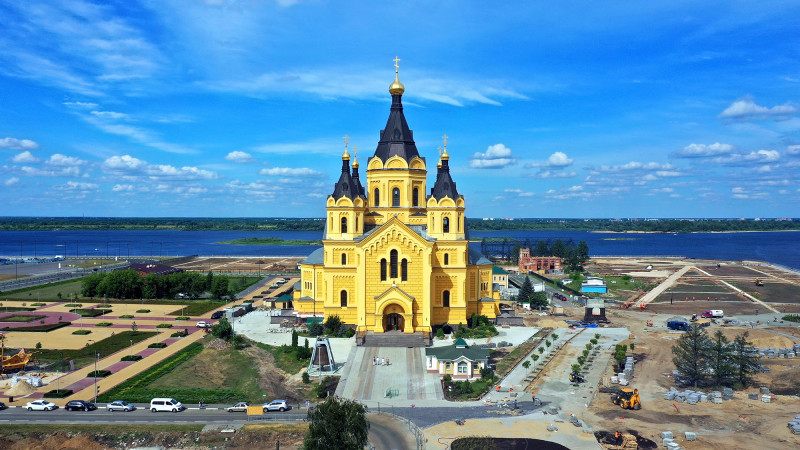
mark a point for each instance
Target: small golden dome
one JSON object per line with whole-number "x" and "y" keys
{"x": 355, "y": 158}
{"x": 439, "y": 164}
{"x": 345, "y": 155}
{"x": 445, "y": 156}
{"x": 397, "y": 88}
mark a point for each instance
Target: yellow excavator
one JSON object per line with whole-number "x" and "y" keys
{"x": 627, "y": 398}
{"x": 759, "y": 282}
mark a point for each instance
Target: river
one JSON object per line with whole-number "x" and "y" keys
{"x": 782, "y": 248}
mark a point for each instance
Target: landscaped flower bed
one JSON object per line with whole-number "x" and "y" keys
{"x": 98, "y": 374}
{"x": 182, "y": 318}
{"x": 179, "y": 334}
{"x": 39, "y": 328}
{"x": 164, "y": 325}
{"x": 38, "y": 304}
{"x": 60, "y": 393}
{"x": 131, "y": 358}
{"x": 90, "y": 312}
{"x": 74, "y": 305}
{"x": 157, "y": 345}
{"x": 82, "y": 332}
{"x": 104, "y": 324}
{"x": 142, "y": 311}
{"x": 126, "y": 316}
{"x": 104, "y": 305}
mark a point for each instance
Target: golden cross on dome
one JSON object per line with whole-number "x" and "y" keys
{"x": 445, "y": 142}
{"x": 440, "y": 150}
{"x": 346, "y": 138}
{"x": 396, "y": 66}
{"x": 355, "y": 150}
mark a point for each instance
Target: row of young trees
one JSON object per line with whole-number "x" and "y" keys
{"x": 703, "y": 360}
{"x": 130, "y": 284}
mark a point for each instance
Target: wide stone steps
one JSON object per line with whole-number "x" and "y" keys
{"x": 395, "y": 339}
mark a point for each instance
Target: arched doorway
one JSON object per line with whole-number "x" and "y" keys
{"x": 394, "y": 322}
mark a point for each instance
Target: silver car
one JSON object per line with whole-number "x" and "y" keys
{"x": 240, "y": 407}
{"x": 119, "y": 405}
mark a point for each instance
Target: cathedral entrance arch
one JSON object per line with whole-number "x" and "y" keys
{"x": 393, "y": 322}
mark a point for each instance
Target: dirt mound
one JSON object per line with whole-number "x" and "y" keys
{"x": 218, "y": 344}
{"x": 550, "y": 323}
{"x": 58, "y": 441}
{"x": 21, "y": 388}
{"x": 607, "y": 437}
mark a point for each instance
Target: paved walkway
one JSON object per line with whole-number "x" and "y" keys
{"x": 666, "y": 284}
{"x": 404, "y": 379}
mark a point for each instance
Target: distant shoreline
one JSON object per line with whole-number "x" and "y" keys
{"x": 691, "y": 232}
{"x": 268, "y": 241}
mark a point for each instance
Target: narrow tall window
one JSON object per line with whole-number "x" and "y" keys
{"x": 395, "y": 197}
{"x": 344, "y": 259}
{"x": 446, "y": 299}
{"x": 383, "y": 269}
{"x": 415, "y": 197}
{"x": 446, "y": 259}
{"x": 344, "y": 224}
{"x": 344, "y": 298}
{"x": 393, "y": 264}
{"x": 404, "y": 270}
{"x": 446, "y": 225}
{"x": 377, "y": 195}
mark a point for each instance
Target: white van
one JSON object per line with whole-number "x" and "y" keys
{"x": 165, "y": 404}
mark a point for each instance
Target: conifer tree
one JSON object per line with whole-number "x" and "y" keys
{"x": 744, "y": 366}
{"x": 692, "y": 355}
{"x": 525, "y": 291}
{"x": 720, "y": 360}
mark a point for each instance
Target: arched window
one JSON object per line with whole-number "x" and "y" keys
{"x": 462, "y": 368}
{"x": 446, "y": 259}
{"x": 404, "y": 270}
{"x": 393, "y": 264}
{"x": 343, "y": 297}
{"x": 383, "y": 269}
{"x": 344, "y": 259}
{"x": 377, "y": 195}
{"x": 395, "y": 197}
{"x": 415, "y": 197}
{"x": 446, "y": 225}
{"x": 344, "y": 224}
{"x": 446, "y": 299}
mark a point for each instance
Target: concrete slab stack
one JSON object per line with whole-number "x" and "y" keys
{"x": 727, "y": 394}
{"x": 764, "y": 390}
{"x": 666, "y": 435}
{"x": 752, "y": 396}
{"x": 766, "y": 398}
{"x": 794, "y": 424}
{"x": 690, "y": 436}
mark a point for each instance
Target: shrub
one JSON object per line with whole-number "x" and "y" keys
{"x": 131, "y": 358}
{"x": 447, "y": 378}
{"x": 62, "y": 393}
{"x": 790, "y": 318}
{"x": 182, "y": 318}
{"x": 103, "y": 324}
{"x": 349, "y": 333}
{"x": 593, "y": 341}
{"x": 142, "y": 311}
{"x": 306, "y": 378}
{"x": 178, "y": 334}
{"x": 38, "y": 346}
{"x": 81, "y": 332}
{"x": 439, "y": 334}
{"x": 157, "y": 345}
{"x": 98, "y": 374}
{"x": 164, "y": 325}
{"x": 554, "y": 336}
{"x": 315, "y": 329}
{"x": 74, "y": 305}
{"x": 126, "y": 316}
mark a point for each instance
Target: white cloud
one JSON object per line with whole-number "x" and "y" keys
{"x": 633, "y": 166}
{"x": 497, "y": 156}
{"x": 757, "y": 157}
{"x": 10, "y": 181}
{"x": 240, "y": 157}
{"x": 109, "y": 115}
{"x": 58, "y": 159}
{"x": 519, "y": 192}
{"x": 78, "y": 186}
{"x": 703, "y": 150}
{"x": 18, "y": 144}
{"x": 81, "y": 105}
{"x": 127, "y": 165}
{"x": 666, "y": 190}
{"x": 25, "y": 157}
{"x": 122, "y": 188}
{"x": 559, "y": 159}
{"x": 747, "y": 109}
{"x": 793, "y": 150}
{"x": 60, "y": 172}
{"x": 289, "y": 171}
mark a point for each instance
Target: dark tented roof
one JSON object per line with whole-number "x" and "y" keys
{"x": 396, "y": 137}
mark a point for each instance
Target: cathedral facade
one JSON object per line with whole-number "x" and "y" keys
{"x": 393, "y": 258}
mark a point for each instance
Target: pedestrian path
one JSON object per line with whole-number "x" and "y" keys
{"x": 388, "y": 374}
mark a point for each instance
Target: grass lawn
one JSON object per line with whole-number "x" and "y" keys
{"x": 197, "y": 307}
{"x": 21, "y": 318}
{"x": 286, "y": 361}
{"x": 46, "y": 292}
{"x": 107, "y": 346}
{"x": 214, "y": 368}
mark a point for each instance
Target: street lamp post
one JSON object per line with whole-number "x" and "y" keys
{"x": 96, "y": 357}
{"x": 131, "y": 348}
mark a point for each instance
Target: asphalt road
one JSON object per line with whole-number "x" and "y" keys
{"x": 142, "y": 416}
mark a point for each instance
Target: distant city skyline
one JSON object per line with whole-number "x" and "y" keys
{"x": 225, "y": 108}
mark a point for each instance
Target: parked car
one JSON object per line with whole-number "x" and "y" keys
{"x": 80, "y": 405}
{"x": 217, "y": 314}
{"x": 166, "y": 404}
{"x": 119, "y": 405}
{"x": 202, "y": 324}
{"x": 239, "y": 407}
{"x": 3, "y": 406}
{"x": 276, "y": 405}
{"x": 40, "y": 405}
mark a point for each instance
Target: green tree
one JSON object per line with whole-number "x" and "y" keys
{"x": 219, "y": 287}
{"x": 691, "y": 355}
{"x": 89, "y": 284}
{"x": 719, "y": 360}
{"x": 222, "y": 329}
{"x": 134, "y": 327}
{"x": 526, "y": 365}
{"x": 473, "y": 321}
{"x": 150, "y": 286}
{"x": 526, "y": 291}
{"x": 541, "y": 249}
{"x": 583, "y": 251}
{"x": 539, "y": 300}
{"x": 337, "y": 423}
{"x": 295, "y": 338}
{"x": 209, "y": 280}
{"x": 744, "y": 361}
{"x": 559, "y": 248}
{"x": 332, "y": 324}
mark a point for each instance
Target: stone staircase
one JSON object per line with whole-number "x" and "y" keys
{"x": 395, "y": 339}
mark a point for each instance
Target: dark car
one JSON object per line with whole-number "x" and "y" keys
{"x": 217, "y": 315}
{"x": 3, "y": 406}
{"x": 80, "y": 405}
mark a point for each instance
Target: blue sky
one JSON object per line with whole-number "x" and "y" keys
{"x": 237, "y": 108}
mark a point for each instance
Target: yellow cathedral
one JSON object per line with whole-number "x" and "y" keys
{"x": 393, "y": 259}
